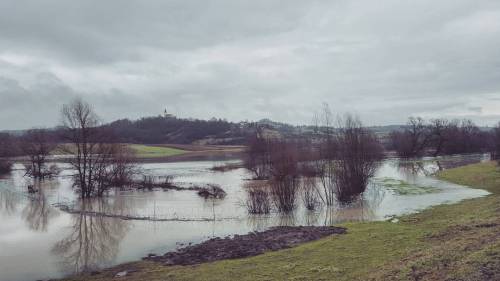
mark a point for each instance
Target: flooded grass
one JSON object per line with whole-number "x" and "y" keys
{"x": 401, "y": 187}
{"x": 459, "y": 241}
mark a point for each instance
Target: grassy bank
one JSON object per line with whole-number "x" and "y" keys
{"x": 147, "y": 151}
{"x": 455, "y": 242}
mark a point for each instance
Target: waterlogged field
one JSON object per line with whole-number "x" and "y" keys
{"x": 39, "y": 240}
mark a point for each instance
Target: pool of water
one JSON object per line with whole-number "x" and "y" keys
{"x": 39, "y": 241}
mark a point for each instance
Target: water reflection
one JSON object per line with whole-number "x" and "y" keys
{"x": 42, "y": 236}
{"x": 38, "y": 211}
{"x": 93, "y": 241}
{"x": 8, "y": 201}
{"x": 429, "y": 166}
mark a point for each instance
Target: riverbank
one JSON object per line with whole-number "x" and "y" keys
{"x": 459, "y": 241}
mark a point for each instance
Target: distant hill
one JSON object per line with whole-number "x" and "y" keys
{"x": 170, "y": 129}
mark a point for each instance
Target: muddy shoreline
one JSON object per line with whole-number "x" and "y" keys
{"x": 241, "y": 246}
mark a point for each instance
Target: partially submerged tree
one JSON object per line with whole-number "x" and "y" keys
{"x": 358, "y": 156}
{"x": 439, "y": 137}
{"x": 285, "y": 181}
{"x": 37, "y": 145}
{"x": 326, "y": 153}
{"x": 439, "y": 134}
{"x": 258, "y": 201}
{"x": 99, "y": 161}
{"x": 257, "y": 156}
{"x": 413, "y": 140}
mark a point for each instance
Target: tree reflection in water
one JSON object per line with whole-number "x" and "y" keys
{"x": 430, "y": 166}
{"x": 94, "y": 240}
{"x": 418, "y": 168}
{"x": 361, "y": 209}
{"x": 38, "y": 211}
{"x": 8, "y": 201}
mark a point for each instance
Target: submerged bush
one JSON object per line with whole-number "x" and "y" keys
{"x": 258, "y": 201}
{"x": 285, "y": 180}
{"x": 358, "y": 156}
{"x": 310, "y": 195}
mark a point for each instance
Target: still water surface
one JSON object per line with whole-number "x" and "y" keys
{"x": 39, "y": 241}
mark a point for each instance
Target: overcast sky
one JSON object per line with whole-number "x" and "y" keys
{"x": 383, "y": 60}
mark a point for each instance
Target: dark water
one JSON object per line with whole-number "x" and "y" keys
{"x": 37, "y": 240}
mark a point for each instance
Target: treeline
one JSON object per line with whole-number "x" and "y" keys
{"x": 160, "y": 129}
{"x": 443, "y": 137}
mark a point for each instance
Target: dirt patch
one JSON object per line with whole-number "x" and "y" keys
{"x": 247, "y": 245}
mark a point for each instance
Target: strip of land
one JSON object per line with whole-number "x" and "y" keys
{"x": 161, "y": 153}
{"x": 184, "y": 152}
{"x": 448, "y": 242}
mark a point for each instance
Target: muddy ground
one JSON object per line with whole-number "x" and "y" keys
{"x": 247, "y": 245}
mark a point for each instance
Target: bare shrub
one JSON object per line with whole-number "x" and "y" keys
{"x": 310, "y": 193}
{"x": 226, "y": 167}
{"x": 258, "y": 201}
{"x": 325, "y": 152}
{"x": 122, "y": 166}
{"x": 148, "y": 182}
{"x": 168, "y": 182}
{"x": 37, "y": 144}
{"x": 285, "y": 180}
{"x": 46, "y": 172}
{"x": 257, "y": 156}
{"x": 359, "y": 154}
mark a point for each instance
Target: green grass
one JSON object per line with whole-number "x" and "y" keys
{"x": 483, "y": 175}
{"x": 147, "y": 151}
{"x": 458, "y": 242}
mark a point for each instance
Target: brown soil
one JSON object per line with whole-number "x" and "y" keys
{"x": 241, "y": 246}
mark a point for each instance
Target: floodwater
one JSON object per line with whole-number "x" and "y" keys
{"x": 39, "y": 241}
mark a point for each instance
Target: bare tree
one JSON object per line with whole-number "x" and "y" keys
{"x": 358, "y": 156}
{"x": 438, "y": 128}
{"x": 99, "y": 162}
{"x": 37, "y": 145}
{"x": 413, "y": 141}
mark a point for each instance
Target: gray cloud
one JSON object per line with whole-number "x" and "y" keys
{"x": 384, "y": 60}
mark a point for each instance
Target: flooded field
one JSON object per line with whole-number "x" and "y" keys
{"x": 39, "y": 240}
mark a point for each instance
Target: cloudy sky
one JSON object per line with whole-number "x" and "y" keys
{"x": 383, "y": 60}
